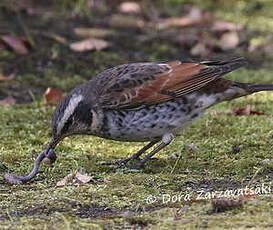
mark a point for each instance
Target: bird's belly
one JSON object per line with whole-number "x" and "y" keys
{"x": 151, "y": 122}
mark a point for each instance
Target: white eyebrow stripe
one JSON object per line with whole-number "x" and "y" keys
{"x": 73, "y": 103}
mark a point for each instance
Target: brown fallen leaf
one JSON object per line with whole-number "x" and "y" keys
{"x": 65, "y": 181}
{"x": 52, "y": 96}
{"x": 222, "y": 26}
{"x": 221, "y": 205}
{"x": 200, "y": 49}
{"x": 89, "y": 44}
{"x": 92, "y": 32}
{"x": 8, "y": 101}
{"x": 229, "y": 41}
{"x": 194, "y": 17}
{"x": 17, "y": 44}
{"x": 75, "y": 179}
{"x": 7, "y": 78}
{"x": 83, "y": 178}
{"x": 129, "y": 7}
{"x": 245, "y": 111}
{"x": 126, "y": 21}
{"x": 54, "y": 37}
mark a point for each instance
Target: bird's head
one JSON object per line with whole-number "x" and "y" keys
{"x": 73, "y": 115}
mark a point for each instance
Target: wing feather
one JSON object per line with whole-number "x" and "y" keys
{"x": 145, "y": 84}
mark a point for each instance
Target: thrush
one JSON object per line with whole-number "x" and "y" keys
{"x": 142, "y": 102}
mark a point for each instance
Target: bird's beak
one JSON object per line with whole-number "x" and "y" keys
{"x": 50, "y": 156}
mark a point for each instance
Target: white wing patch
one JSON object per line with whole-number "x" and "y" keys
{"x": 73, "y": 103}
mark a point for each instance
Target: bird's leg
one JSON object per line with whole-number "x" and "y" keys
{"x": 166, "y": 139}
{"x": 133, "y": 157}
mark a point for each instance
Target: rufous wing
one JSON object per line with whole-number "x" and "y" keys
{"x": 177, "y": 80}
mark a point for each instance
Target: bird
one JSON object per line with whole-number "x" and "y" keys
{"x": 142, "y": 102}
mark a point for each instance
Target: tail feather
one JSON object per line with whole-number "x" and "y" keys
{"x": 226, "y": 66}
{"x": 252, "y": 88}
{"x": 243, "y": 89}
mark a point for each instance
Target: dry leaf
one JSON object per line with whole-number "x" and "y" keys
{"x": 221, "y": 205}
{"x": 89, "y": 44}
{"x": 92, "y": 32}
{"x": 245, "y": 111}
{"x": 179, "y": 22}
{"x": 229, "y": 40}
{"x": 74, "y": 179}
{"x": 199, "y": 49}
{"x": 7, "y": 78}
{"x": 83, "y": 178}
{"x": 55, "y": 37}
{"x": 52, "y": 96}
{"x": 17, "y": 44}
{"x": 222, "y": 26}
{"x": 8, "y": 101}
{"x": 195, "y": 17}
{"x": 126, "y": 21}
{"x": 65, "y": 181}
{"x": 129, "y": 7}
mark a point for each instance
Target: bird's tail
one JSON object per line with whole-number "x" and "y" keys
{"x": 253, "y": 88}
{"x": 226, "y": 66}
{"x": 243, "y": 89}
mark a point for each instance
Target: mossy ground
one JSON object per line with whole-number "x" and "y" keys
{"x": 232, "y": 151}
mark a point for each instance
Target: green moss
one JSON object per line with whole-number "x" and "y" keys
{"x": 24, "y": 132}
{"x": 119, "y": 200}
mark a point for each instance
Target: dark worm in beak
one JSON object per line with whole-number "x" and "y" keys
{"x": 48, "y": 156}
{"x": 13, "y": 179}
